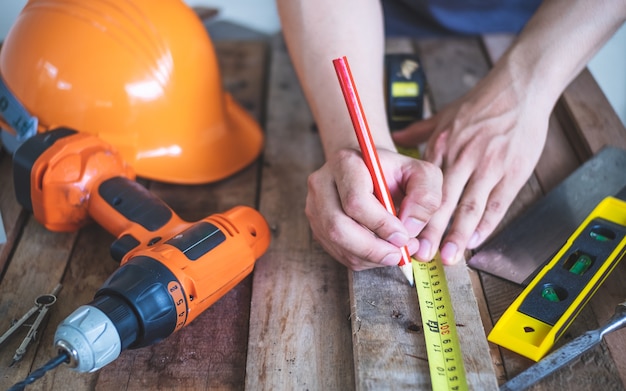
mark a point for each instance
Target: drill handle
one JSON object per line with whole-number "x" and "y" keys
{"x": 131, "y": 213}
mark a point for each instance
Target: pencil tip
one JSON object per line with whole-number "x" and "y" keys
{"x": 407, "y": 270}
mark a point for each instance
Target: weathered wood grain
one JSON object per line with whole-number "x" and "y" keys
{"x": 12, "y": 214}
{"x": 591, "y": 121}
{"x": 299, "y": 328}
{"x": 36, "y": 267}
{"x": 389, "y": 346}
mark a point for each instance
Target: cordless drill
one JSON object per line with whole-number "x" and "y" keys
{"x": 170, "y": 270}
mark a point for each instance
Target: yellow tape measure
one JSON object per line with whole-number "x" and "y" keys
{"x": 445, "y": 360}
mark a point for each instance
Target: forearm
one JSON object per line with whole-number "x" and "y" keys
{"x": 558, "y": 42}
{"x": 316, "y": 32}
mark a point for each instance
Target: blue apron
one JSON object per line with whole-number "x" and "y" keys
{"x": 427, "y": 18}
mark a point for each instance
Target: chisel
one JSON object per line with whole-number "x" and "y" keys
{"x": 567, "y": 353}
{"x": 3, "y": 234}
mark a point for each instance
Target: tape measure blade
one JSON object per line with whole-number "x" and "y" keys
{"x": 445, "y": 358}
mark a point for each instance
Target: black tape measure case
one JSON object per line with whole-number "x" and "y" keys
{"x": 405, "y": 84}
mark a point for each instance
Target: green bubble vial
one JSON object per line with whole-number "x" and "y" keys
{"x": 581, "y": 265}
{"x": 550, "y": 294}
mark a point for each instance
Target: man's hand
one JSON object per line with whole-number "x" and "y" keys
{"x": 352, "y": 225}
{"x": 487, "y": 144}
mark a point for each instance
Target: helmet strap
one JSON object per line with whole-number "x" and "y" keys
{"x": 15, "y": 115}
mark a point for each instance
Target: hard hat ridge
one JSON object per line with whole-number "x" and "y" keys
{"x": 141, "y": 74}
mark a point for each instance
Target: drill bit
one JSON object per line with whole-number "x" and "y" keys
{"x": 567, "y": 353}
{"x": 40, "y": 372}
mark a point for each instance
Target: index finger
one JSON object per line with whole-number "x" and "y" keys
{"x": 423, "y": 195}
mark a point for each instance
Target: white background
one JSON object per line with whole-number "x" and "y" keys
{"x": 608, "y": 66}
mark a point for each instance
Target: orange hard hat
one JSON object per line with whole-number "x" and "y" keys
{"x": 140, "y": 74}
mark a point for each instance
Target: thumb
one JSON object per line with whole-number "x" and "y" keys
{"x": 416, "y": 133}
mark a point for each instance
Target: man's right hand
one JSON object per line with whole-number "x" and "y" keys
{"x": 352, "y": 225}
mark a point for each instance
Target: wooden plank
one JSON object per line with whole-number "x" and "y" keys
{"x": 299, "y": 332}
{"x": 409, "y": 373}
{"x": 13, "y": 216}
{"x": 90, "y": 264}
{"x": 33, "y": 261}
{"x": 453, "y": 67}
{"x": 389, "y": 347}
{"x": 603, "y": 305}
{"x": 399, "y": 45}
{"x": 483, "y": 307}
{"x": 36, "y": 267}
{"x": 388, "y": 340}
{"x": 387, "y": 336}
{"x": 244, "y": 70}
{"x": 29, "y": 266}
{"x": 590, "y": 118}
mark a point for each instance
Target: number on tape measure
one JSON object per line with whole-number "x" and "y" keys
{"x": 445, "y": 360}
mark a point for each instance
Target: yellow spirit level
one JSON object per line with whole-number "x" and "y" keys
{"x": 545, "y": 309}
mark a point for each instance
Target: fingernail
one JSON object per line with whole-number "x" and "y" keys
{"x": 413, "y": 246}
{"x": 423, "y": 253}
{"x": 391, "y": 260}
{"x": 414, "y": 226}
{"x": 398, "y": 239}
{"x": 474, "y": 240}
{"x": 448, "y": 252}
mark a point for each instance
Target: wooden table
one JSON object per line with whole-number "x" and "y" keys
{"x": 301, "y": 321}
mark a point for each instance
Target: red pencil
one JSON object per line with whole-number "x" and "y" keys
{"x": 368, "y": 150}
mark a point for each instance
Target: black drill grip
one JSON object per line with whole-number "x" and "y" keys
{"x": 137, "y": 204}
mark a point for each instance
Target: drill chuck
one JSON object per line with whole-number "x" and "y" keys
{"x": 133, "y": 308}
{"x": 89, "y": 338}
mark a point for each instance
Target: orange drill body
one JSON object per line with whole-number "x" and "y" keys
{"x": 64, "y": 180}
{"x": 170, "y": 270}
